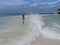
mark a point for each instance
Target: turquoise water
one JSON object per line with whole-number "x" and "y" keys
{"x": 13, "y": 32}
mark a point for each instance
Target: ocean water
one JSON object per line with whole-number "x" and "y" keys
{"x": 14, "y": 32}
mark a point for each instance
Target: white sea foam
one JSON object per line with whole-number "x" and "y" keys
{"x": 56, "y": 25}
{"x": 32, "y": 33}
{"x": 50, "y": 33}
{"x": 34, "y": 28}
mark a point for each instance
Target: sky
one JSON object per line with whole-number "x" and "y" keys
{"x": 29, "y": 6}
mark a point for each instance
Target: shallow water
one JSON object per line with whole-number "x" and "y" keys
{"x": 13, "y": 32}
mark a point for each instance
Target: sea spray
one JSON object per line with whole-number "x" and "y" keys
{"x": 34, "y": 32}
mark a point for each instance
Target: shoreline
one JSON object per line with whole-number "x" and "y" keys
{"x": 45, "y": 41}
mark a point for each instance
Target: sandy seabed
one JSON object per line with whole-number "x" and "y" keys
{"x": 46, "y": 41}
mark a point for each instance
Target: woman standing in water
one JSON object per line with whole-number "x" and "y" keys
{"x": 23, "y": 17}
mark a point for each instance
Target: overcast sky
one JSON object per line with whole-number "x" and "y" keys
{"x": 33, "y": 6}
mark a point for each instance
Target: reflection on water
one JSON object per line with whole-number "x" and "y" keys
{"x": 13, "y": 32}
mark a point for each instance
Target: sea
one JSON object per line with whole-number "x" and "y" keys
{"x": 14, "y": 32}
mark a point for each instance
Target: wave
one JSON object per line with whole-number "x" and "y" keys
{"x": 36, "y": 27}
